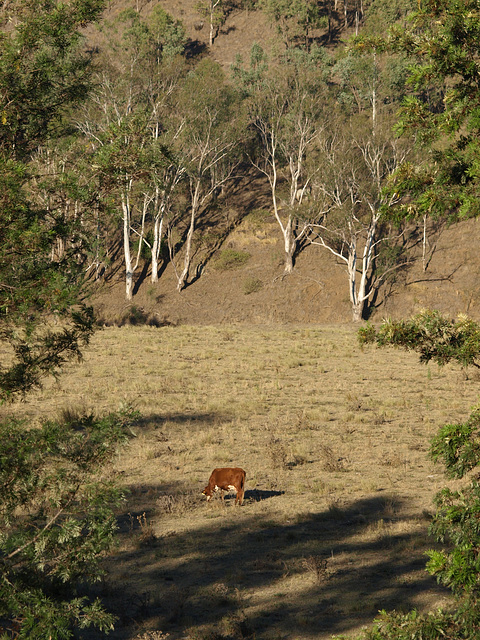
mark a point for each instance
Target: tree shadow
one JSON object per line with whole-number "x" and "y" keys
{"x": 142, "y": 276}
{"x": 198, "y": 580}
{"x": 159, "y": 419}
{"x": 195, "y": 48}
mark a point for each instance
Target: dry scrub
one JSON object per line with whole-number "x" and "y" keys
{"x": 334, "y": 441}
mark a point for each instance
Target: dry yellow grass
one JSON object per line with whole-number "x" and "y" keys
{"x": 334, "y": 441}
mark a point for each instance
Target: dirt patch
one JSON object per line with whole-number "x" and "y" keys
{"x": 317, "y": 291}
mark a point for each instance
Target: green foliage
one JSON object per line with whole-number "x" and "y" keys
{"x": 252, "y": 77}
{"x": 168, "y": 34}
{"x": 43, "y": 75}
{"x": 56, "y": 517}
{"x": 457, "y": 517}
{"x": 380, "y": 16}
{"x": 432, "y": 335}
{"x": 43, "y": 72}
{"x": 458, "y": 446}
{"x": 31, "y": 281}
{"x": 231, "y": 259}
{"x": 56, "y": 520}
{"x": 41, "y": 355}
{"x": 215, "y": 11}
{"x": 252, "y": 285}
{"x": 444, "y": 40}
{"x": 146, "y": 40}
{"x": 460, "y": 624}
{"x": 292, "y": 17}
{"x": 366, "y": 75}
{"x": 211, "y": 125}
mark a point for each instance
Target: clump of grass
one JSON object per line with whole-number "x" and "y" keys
{"x": 257, "y": 218}
{"x": 147, "y": 535}
{"x": 231, "y": 259}
{"x": 317, "y": 565}
{"x": 354, "y": 403}
{"x": 392, "y": 459}
{"x": 278, "y": 452}
{"x": 330, "y": 460}
{"x": 379, "y": 418}
{"x": 252, "y": 285}
{"x": 176, "y": 504}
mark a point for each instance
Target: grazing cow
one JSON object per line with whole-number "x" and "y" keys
{"x": 226, "y": 479}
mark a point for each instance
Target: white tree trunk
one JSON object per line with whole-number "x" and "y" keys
{"x": 210, "y": 39}
{"x": 182, "y": 279}
{"x": 126, "y": 247}
{"x": 290, "y": 245}
{"x": 156, "y": 246}
{"x": 358, "y": 291}
{"x": 130, "y": 265}
{"x": 213, "y": 6}
{"x": 424, "y": 244}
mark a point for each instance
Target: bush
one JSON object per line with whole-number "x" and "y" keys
{"x": 461, "y": 624}
{"x": 457, "y": 517}
{"x": 252, "y": 285}
{"x": 231, "y": 259}
{"x": 56, "y": 521}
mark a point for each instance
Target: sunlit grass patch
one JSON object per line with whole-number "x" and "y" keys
{"x": 334, "y": 441}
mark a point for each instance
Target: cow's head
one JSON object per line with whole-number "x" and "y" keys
{"x": 207, "y": 492}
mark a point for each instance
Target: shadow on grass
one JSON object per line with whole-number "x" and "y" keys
{"x": 257, "y": 495}
{"x": 158, "y": 420}
{"x": 245, "y": 575}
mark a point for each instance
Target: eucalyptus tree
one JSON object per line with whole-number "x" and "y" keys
{"x": 215, "y": 11}
{"x": 293, "y": 19}
{"x": 287, "y": 106}
{"x": 350, "y": 186}
{"x": 208, "y": 119}
{"x": 126, "y": 122}
{"x": 363, "y": 155}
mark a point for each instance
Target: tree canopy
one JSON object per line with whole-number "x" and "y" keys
{"x": 56, "y": 502}
{"x": 443, "y": 41}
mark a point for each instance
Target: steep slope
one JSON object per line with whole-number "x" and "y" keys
{"x": 317, "y": 291}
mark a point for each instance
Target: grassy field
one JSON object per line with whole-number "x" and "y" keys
{"x": 334, "y": 441}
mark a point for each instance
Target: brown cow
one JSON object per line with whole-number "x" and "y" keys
{"x": 226, "y": 479}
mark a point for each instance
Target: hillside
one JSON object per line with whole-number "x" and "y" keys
{"x": 318, "y": 289}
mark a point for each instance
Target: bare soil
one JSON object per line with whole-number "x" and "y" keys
{"x": 316, "y": 292}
